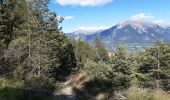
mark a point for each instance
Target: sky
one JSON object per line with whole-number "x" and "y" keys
{"x": 101, "y": 14}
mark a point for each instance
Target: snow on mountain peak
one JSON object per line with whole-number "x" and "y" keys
{"x": 137, "y": 25}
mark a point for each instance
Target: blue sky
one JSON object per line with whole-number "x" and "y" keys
{"x": 101, "y": 14}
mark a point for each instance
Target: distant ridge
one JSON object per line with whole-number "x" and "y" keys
{"x": 134, "y": 34}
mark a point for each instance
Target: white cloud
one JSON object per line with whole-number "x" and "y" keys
{"x": 83, "y": 2}
{"x": 90, "y": 30}
{"x": 161, "y": 22}
{"x": 142, "y": 16}
{"x": 68, "y": 17}
{"x": 93, "y": 28}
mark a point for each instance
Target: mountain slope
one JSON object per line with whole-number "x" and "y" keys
{"x": 134, "y": 34}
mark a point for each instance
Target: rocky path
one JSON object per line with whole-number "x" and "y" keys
{"x": 67, "y": 89}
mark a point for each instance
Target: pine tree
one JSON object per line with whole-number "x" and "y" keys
{"x": 153, "y": 64}
{"x": 166, "y": 60}
{"x": 11, "y": 20}
{"x": 120, "y": 69}
{"x": 83, "y": 52}
{"x": 39, "y": 44}
{"x": 101, "y": 51}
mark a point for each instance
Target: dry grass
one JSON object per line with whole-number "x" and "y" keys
{"x": 145, "y": 94}
{"x": 161, "y": 95}
{"x": 10, "y": 83}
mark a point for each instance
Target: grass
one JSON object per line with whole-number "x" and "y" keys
{"x": 14, "y": 90}
{"x": 10, "y": 94}
{"x": 146, "y": 94}
{"x": 10, "y": 83}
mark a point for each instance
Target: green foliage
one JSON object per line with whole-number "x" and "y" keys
{"x": 120, "y": 69}
{"x": 39, "y": 83}
{"x": 101, "y": 51}
{"x": 83, "y": 52}
{"x": 34, "y": 49}
{"x": 153, "y": 63}
{"x": 32, "y": 46}
{"x": 11, "y": 18}
{"x": 96, "y": 69}
{"x": 66, "y": 62}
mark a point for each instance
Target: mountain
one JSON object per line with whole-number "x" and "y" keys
{"x": 82, "y": 34}
{"x": 134, "y": 34}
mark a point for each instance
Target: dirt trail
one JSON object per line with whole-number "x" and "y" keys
{"x": 67, "y": 91}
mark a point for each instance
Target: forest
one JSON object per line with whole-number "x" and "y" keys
{"x": 38, "y": 61}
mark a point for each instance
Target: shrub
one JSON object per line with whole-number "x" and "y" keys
{"x": 39, "y": 83}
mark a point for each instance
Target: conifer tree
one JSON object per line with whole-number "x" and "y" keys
{"x": 120, "y": 69}
{"x": 101, "y": 51}
{"x": 153, "y": 64}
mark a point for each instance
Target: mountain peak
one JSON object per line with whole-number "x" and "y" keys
{"x": 141, "y": 26}
{"x": 135, "y": 34}
{"x": 138, "y": 24}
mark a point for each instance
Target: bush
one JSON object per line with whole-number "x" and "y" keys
{"x": 39, "y": 83}
{"x": 96, "y": 69}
